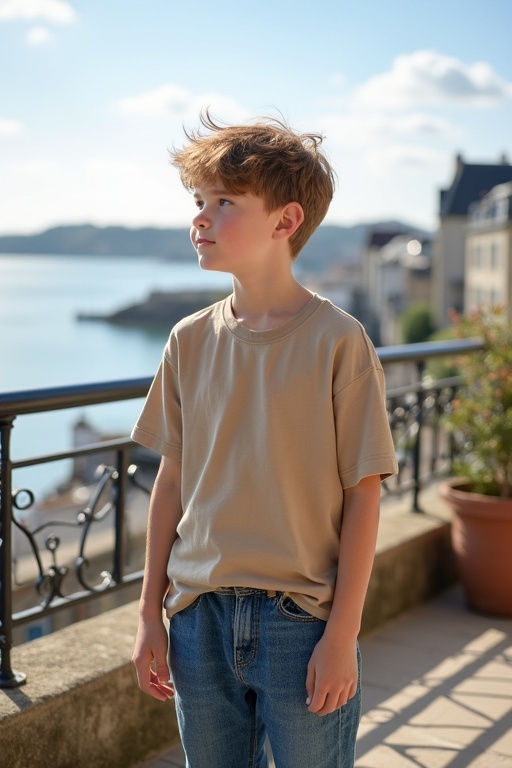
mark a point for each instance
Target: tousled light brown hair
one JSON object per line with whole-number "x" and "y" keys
{"x": 266, "y": 158}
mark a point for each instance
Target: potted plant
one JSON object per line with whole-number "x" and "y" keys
{"x": 481, "y": 495}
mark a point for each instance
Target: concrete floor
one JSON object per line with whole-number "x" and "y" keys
{"x": 437, "y": 691}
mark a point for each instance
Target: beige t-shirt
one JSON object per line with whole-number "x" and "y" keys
{"x": 270, "y": 427}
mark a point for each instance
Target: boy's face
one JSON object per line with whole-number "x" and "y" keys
{"x": 232, "y": 233}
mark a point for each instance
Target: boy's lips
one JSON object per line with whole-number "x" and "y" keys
{"x": 203, "y": 240}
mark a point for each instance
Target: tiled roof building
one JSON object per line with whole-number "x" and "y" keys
{"x": 488, "y": 264}
{"x": 471, "y": 182}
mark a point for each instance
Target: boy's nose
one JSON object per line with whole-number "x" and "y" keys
{"x": 200, "y": 220}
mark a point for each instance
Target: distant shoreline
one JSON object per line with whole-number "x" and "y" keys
{"x": 329, "y": 244}
{"x": 89, "y": 240}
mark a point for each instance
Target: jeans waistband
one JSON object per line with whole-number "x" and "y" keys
{"x": 241, "y": 591}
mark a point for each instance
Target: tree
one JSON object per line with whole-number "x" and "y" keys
{"x": 417, "y": 324}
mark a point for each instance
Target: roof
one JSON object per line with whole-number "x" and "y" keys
{"x": 377, "y": 238}
{"x": 409, "y": 252}
{"x": 494, "y": 209}
{"x": 470, "y": 184}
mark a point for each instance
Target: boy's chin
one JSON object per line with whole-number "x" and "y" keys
{"x": 209, "y": 265}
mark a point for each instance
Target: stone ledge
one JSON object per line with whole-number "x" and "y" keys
{"x": 414, "y": 559}
{"x": 80, "y": 705}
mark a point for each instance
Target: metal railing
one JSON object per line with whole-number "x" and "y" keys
{"x": 424, "y": 449}
{"x": 107, "y": 499}
{"x": 415, "y": 413}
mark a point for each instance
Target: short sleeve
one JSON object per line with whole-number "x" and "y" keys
{"x": 159, "y": 426}
{"x": 363, "y": 436}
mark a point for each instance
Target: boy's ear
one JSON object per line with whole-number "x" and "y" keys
{"x": 290, "y": 219}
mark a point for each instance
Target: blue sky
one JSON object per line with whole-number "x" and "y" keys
{"x": 92, "y": 94}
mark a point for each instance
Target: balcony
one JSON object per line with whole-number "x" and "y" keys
{"x": 438, "y": 684}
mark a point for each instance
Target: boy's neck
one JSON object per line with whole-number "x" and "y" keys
{"x": 262, "y": 306}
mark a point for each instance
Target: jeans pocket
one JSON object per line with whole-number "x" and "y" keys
{"x": 190, "y": 608}
{"x": 289, "y": 609}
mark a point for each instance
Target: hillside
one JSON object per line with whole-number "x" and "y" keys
{"x": 88, "y": 240}
{"x": 328, "y": 244}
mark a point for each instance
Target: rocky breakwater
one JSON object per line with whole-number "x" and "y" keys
{"x": 161, "y": 309}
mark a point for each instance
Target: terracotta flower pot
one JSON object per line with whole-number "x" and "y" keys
{"x": 482, "y": 543}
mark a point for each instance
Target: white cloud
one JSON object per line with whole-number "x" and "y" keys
{"x": 158, "y": 101}
{"x": 405, "y": 157}
{"x": 221, "y": 108}
{"x": 10, "y": 127}
{"x": 427, "y": 126}
{"x": 337, "y": 80}
{"x": 38, "y": 170}
{"x": 431, "y": 78}
{"x": 358, "y": 129}
{"x": 52, "y": 11}
{"x": 38, "y": 36}
{"x": 174, "y": 100}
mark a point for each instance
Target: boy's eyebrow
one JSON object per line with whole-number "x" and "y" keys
{"x": 215, "y": 191}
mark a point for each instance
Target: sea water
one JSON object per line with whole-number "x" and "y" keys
{"x": 42, "y": 344}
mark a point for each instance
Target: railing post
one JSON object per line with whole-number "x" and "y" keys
{"x": 9, "y": 678}
{"x": 417, "y": 445}
{"x": 120, "y": 515}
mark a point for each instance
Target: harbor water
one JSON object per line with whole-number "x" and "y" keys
{"x": 42, "y": 344}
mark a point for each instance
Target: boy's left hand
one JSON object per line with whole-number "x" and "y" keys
{"x": 332, "y": 675}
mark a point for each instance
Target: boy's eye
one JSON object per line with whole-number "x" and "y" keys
{"x": 223, "y": 201}
{"x": 199, "y": 203}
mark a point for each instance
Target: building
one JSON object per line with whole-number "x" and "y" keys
{"x": 377, "y": 238}
{"x": 403, "y": 278}
{"x": 470, "y": 184}
{"x": 488, "y": 254}
{"x": 396, "y": 273}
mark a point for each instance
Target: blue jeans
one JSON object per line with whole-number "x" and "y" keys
{"x": 238, "y": 661}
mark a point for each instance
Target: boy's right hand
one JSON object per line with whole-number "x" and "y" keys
{"x": 150, "y": 659}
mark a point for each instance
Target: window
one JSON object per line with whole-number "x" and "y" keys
{"x": 494, "y": 297}
{"x": 494, "y": 256}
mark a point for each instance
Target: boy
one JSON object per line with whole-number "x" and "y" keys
{"x": 269, "y": 412}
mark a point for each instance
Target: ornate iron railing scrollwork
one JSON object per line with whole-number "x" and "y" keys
{"x": 134, "y": 476}
{"x": 424, "y": 450}
{"x": 88, "y": 517}
{"x": 52, "y": 579}
{"x": 49, "y": 581}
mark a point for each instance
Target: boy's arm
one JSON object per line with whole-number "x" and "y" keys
{"x": 332, "y": 670}
{"x": 150, "y": 652}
